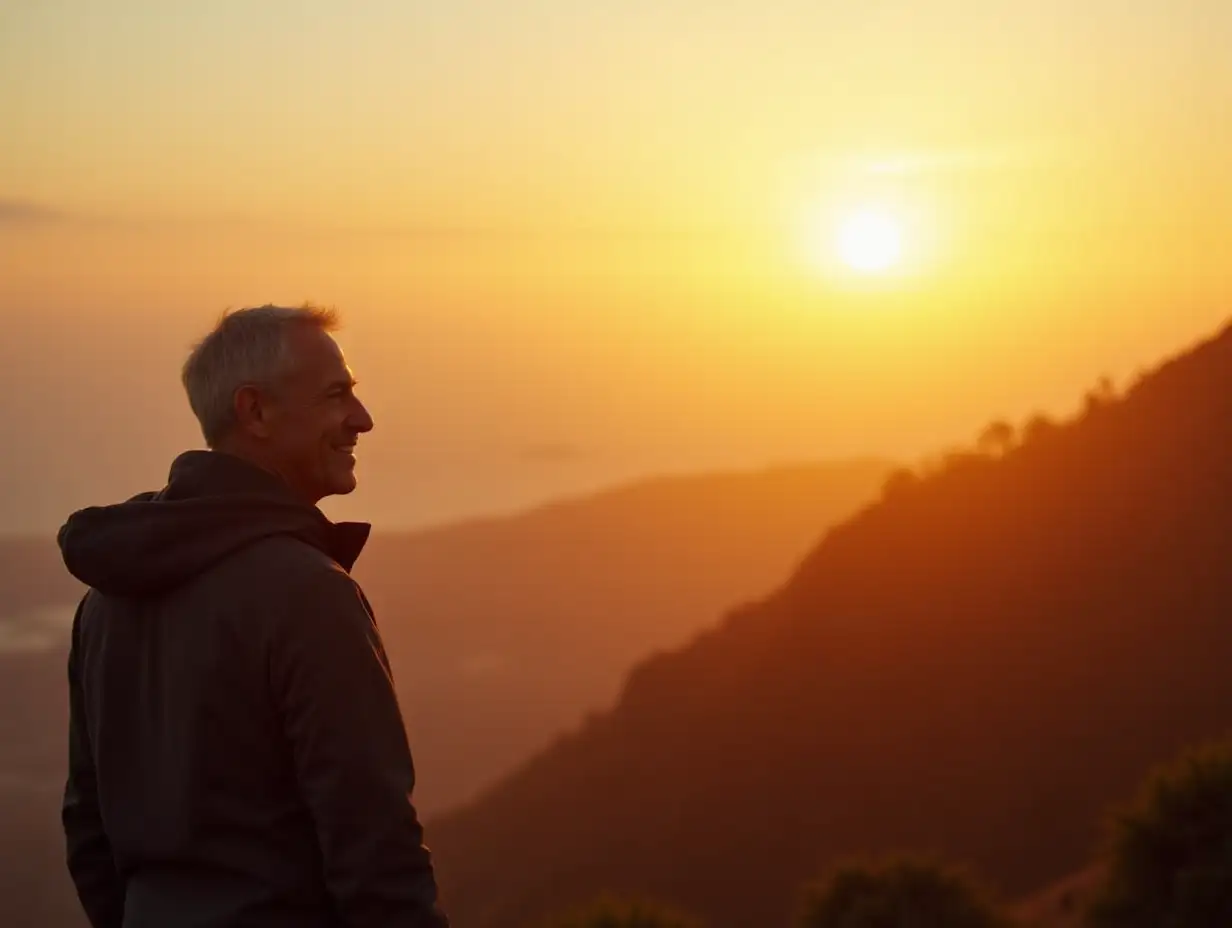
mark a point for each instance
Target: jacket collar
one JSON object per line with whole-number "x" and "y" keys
{"x": 217, "y": 473}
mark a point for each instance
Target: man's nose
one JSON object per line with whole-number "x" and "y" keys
{"x": 360, "y": 419}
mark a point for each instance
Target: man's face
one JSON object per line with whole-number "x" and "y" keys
{"x": 315, "y": 418}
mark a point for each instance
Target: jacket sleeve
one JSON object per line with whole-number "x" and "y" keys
{"x": 331, "y": 680}
{"x": 90, "y": 861}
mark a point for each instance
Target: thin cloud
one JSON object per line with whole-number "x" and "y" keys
{"x": 25, "y": 212}
{"x": 932, "y": 162}
{"x": 540, "y": 233}
{"x": 992, "y": 158}
{"x": 553, "y": 452}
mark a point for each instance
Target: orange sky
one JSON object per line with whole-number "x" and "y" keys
{"x": 579, "y": 242}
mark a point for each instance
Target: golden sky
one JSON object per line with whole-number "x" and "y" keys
{"x": 576, "y": 242}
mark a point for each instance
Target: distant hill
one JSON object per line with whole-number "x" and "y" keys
{"x": 37, "y": 598}
{"x": 976, "y": 666}
{"x": 33, "y": 576}
{"x": 503, "y": 632}
{"x": 34, "y": 886}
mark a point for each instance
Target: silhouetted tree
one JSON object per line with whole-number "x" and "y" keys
{"x": 1038, "y": 428}
{"x": 1102, "y": 394}
{"x": 948, "y": 461}
{"x": 1171, "y": 850}
{"x": 899, "y": 481}
{"x": 609, "y": 912}
{"x": 902, "y": 892}
{"x": 957, "y": 460}
{"x": 997, "y": 438}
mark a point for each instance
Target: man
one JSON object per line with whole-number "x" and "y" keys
{"x": 237, "y": 756}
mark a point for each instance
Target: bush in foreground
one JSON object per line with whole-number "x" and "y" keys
{"x": 1170, "y": 852}
{"x": 898, "y": 893}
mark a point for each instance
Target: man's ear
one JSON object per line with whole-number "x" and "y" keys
{"x": 252, "y": 412}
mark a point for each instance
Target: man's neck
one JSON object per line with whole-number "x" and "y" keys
{"x": 256, "y": 459}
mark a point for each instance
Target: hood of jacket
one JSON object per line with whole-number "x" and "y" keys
{"x": 213, "y": 505}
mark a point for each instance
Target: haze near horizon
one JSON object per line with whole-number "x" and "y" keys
{"x": 574, "y": 244}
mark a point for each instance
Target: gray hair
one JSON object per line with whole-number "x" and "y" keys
{"x": 246, "y": 347}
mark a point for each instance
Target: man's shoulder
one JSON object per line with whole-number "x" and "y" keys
{"x": 283, "y": 576}
{"x": 286, "y": 559}
{"x": 289, "y": 579}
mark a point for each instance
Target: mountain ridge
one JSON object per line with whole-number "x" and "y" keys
{"x": 1066, "y": 597}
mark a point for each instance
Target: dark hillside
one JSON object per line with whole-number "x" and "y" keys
{"x": 976, "y": 666}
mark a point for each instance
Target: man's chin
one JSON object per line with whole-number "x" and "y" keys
{"x": 343, "y": 487}
{"x": 340, "y": 484}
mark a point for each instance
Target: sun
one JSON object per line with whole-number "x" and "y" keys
{"x": 869, "y": 241}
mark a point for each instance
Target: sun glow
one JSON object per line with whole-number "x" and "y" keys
{"x": 869, "y": 241}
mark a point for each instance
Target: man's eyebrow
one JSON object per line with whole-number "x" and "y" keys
{"x": 349, "y": 383}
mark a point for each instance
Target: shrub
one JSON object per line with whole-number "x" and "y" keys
{"x": 1170, "y": 851}
{"x": 898, "y": 893}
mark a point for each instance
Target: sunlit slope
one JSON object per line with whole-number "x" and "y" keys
{"x": 977, "y": 666}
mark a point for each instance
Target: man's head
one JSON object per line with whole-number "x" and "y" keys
{"x": 270, "y": 385}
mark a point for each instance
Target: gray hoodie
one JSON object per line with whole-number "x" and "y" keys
{"x": 237, "y": 755}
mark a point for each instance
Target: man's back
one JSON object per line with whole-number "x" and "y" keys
{"x": 237, "y": 754}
